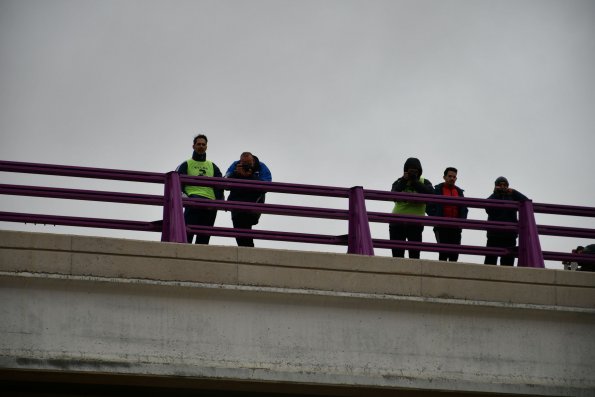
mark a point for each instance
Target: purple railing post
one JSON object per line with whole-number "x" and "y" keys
{"x": 530, "y": 254}
{"x": 174, "y": 226}
{"x": 359, "y": 238}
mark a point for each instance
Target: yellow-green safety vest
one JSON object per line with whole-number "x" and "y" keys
{"x": 200, "y": 168}
{"x": 409, "y": 207}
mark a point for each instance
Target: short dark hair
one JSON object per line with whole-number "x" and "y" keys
{"x": 453, "y": 169}
{"x": 200, "y": 136}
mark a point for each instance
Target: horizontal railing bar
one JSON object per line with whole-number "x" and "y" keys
{"x": 330, "y": 213}
{"x": 78, "y": 194}
{"x": 275, "y": 209}
{"x": 273, "y": 187}
{"x": 559, "y": 209}
{"x": 564, "y": 231}
{"x": 82, "y": 172}
{"x": 80, "y": 221}
{"x": 566, "y": 257}
{"x": 435, "y": 247}
{"x": 433, "y": 198}
{"x": 475, "y": 224}
{"x": 269, "y": 235}
{"x": 342, "y": 240}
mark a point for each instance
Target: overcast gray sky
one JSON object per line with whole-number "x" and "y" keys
{"x": 325, "y": 92}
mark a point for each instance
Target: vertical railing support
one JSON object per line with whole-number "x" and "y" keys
{"x": 174, "y": 226}
{"x": 530, "y": 254}
{"x": 360, "y": 239}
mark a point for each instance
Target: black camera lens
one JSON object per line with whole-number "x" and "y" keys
{"x": 246, "y": 167}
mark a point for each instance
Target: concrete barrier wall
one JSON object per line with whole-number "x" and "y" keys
{"x": 97, "y": 305}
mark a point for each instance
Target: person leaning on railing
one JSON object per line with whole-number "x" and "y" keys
{"x": 247, "y": 167}
{"x": 412, "y": 181}
{"x": 573, "y": 265}
{"x": 198, "y": 165}
{"x": 499, "y": 238}
{"x": 588, "y": 264}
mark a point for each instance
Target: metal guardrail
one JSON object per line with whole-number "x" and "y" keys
{"x": 358, "y": 239}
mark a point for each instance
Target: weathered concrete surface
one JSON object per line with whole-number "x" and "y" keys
{"x": 99, "y": 305}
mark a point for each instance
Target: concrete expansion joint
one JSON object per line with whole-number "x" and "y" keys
{"x": 298, "y": 292}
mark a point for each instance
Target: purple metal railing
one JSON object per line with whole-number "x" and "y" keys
{"x": 358, "y": 239}
{"x": 174, "y": 228}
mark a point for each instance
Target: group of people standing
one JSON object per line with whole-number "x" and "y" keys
{"x": 249, "y": 167}
{"x": 413, "y": 181}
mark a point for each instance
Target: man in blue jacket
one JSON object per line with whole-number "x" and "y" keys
{"x": 247, "y": 167}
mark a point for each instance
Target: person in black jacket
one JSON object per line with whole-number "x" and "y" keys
{"x": 248, "y": 167}
{"x": 448, "y": 235}
{"x": 499, "y": 238}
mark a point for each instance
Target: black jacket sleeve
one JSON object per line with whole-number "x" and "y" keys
{"x": 425, "y": 187}
{"x": 463, "y": 210}
{"x": 431, "y": 208}
{"x": 183, "y": 170}
{"x": 399, "y": 185}
{"x": 518, "y": 196}
{"x": 218, "y": 191}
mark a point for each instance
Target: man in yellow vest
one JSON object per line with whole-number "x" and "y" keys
{"x": 198, "y": 165}
{"x": 411, "y": 182}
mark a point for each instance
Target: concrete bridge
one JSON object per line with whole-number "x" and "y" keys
{"x": 88, "y": 315}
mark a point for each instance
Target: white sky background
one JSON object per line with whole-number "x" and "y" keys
{"x": 334, "y": 93}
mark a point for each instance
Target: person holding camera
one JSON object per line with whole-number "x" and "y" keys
{"x": 499, "y": 238}
{"x": 247, "y": 167}
{"x": 412, "y": 181}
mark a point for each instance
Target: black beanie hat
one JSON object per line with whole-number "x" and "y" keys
{"x": 500, "y": 179}
{"x": 413, "y": 162}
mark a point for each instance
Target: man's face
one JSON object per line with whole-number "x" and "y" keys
{"x": 247, "y": 161}
{"x": 200, "y": 146}
{"x": 413, "y": 172}
{"x": 450, "y": 178}
{"x": 502, "y": 186}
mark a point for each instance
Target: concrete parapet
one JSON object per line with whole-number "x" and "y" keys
{"x": 89, "y": 304}
{"x": 106, "y": 257}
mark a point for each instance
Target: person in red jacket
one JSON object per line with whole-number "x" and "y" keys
{"x": 448, "y": 235}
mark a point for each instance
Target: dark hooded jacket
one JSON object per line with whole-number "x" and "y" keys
{"x": 504, "y": 214}
{"x": 438, "y": 209}
{"x": 420, "y": 185}
{"x": 402, "y": 184}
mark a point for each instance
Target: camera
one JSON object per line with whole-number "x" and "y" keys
{"x": 413, "y": 175}
{"x": 246, "y": 167}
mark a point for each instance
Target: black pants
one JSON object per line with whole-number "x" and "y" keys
{"x": 403, "y": 232}
{"x": 446, "y": 235}
{"x": 502, "y": 240}
{"x": 201, "y": 217}
{"x": 244, "y": 220}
